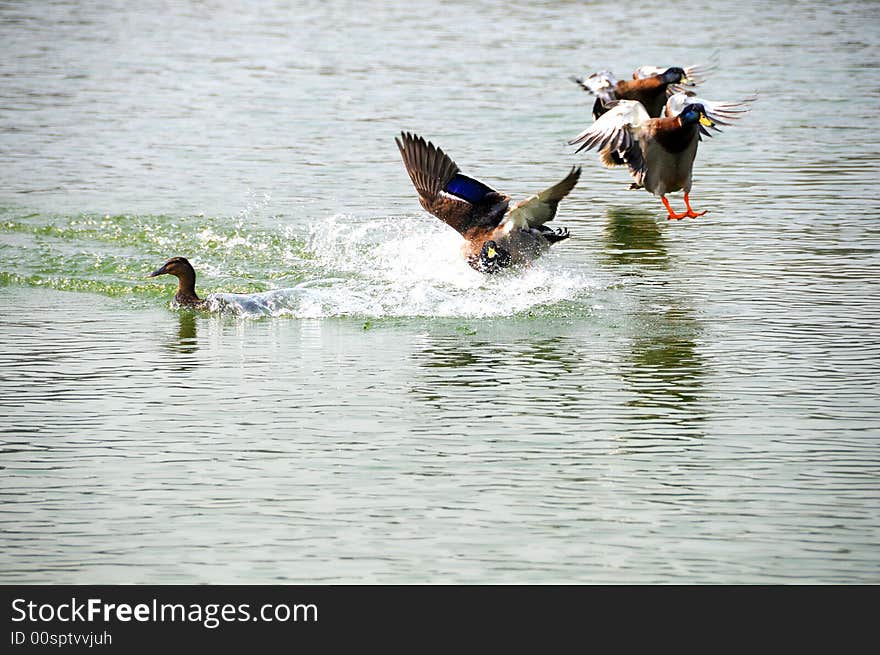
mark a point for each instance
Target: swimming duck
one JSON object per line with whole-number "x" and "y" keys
{"x": 659, "y": 152}
{"x": 649, "y": 85}
{"x": 186, "y": 281}
{"x": 496, "y": 235}
{"x": 240, "y": 304}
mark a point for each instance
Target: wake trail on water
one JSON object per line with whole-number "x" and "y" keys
{"x": 399, "y": 267}
{"x": 340, "y": 265}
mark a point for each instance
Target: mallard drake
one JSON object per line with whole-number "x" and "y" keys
{"x": 659, "y": 152}
{"x": 180, "y": 268}
{"x": 650, "y": 85}
{"x": 496, "y": 234}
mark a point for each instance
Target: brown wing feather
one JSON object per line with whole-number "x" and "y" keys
{"x": 430, "y": 170}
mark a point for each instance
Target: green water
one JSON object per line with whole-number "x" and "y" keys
{"x": 654, "y": 401}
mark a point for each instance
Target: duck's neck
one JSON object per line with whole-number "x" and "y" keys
{"x": 186, "y": 288}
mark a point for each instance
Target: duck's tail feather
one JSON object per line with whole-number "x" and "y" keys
{"x": 554, "y": 236}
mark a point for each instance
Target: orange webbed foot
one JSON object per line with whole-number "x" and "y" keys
{"x": 672, "y": 215}
{"x": 690, "y": 212}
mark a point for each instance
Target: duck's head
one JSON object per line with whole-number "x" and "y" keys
{"x": 493, "y": 257}
{"x": 676, "y": 75}
{"x": 176, "y": 266}
{"x": 180, "y": 268}
{"x": 695, "y": 113}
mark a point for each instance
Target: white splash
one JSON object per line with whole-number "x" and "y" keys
{"x": 389, "y": 267}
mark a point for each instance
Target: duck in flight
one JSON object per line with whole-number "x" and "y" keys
{"x": 497, "y": 235}
{"x": 650, "y": 85}
{"x": 659, "y": 152}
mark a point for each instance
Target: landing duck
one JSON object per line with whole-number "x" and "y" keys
{"x": 497, "y": 235}
{"x": 659, "y": 152}
{"x": 650, "y": 85}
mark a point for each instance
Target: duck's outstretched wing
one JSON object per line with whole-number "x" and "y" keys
{"x": 721, "y": 113}
{"x": 541, "y": 208}
{"x": 618, "y": 131}
{"x": 642, "y": 72}
{"x": 458, "y": 200}
{"x": 697, "y": 73}
{"x": 600, "y": 84}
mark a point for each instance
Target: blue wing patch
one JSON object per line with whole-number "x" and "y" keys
{"x": 467, "y": 188}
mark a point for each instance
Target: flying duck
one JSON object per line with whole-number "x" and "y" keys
{"x": 496, "y": 235}
{"x": 186, "y": 282}
{"x": 650, "y": 85}
{"x": 659, "y": 152}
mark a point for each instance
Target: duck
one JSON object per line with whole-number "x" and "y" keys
{"x": 239, "y": 304}
{"x": 659, "y": 151}
{"x": 186, "y": 295}
{"x": 650, "y": 85}
{"x": 496, "y": 235}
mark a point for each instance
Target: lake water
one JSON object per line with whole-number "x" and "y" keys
{"x": 653, "y": 402}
